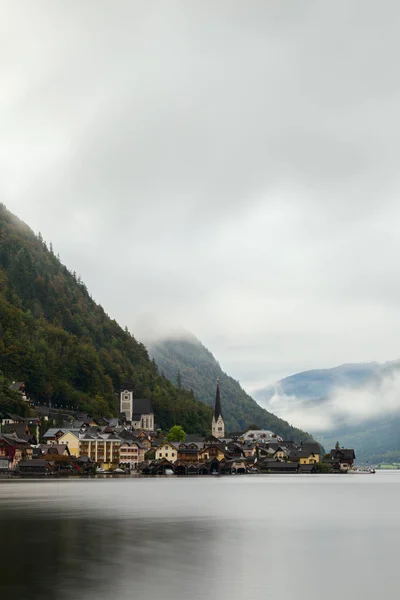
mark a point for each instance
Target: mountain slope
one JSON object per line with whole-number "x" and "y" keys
{"x": 64, "y": 346}
{"x": 375, "y": 441}
{"x": 190, "y": 362}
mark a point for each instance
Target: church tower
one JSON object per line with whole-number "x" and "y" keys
{"x": 218, "y": 425}
{"x": 126, "y": 403}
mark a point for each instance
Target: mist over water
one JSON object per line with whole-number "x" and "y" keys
{"x": 290, "y": 536}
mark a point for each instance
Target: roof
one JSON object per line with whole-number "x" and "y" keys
{"x": 11, "y": 439}
{"x": 53, "y": 430}
{"x": 261, "y": 434}
{"x": 217, "y": 408}
{"x": 126, "y": 435}
{"x": 311, "y": 447}
{"x": 194, "y": 437}
{"x": 54, "y": 448}
{"x": 188, "y": 445}
{"x": 299, "y": 454}
{"x": 142, "y": 406}
{"x": 307, "y": 468}
{"x": 133, "y": 443}
{"x": 17, "y": 427}
{"x": 35, "y": 463}
{"x": 20, "y": 430}
{"x": 343, "y": 453}
{"x": 73, "y": 431}
{"x": 12, "y": 416}
{"x": 16, "y": 385}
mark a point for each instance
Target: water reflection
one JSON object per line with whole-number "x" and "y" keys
{"x": 294, "y": 538}
{"x": 103, "y": 557}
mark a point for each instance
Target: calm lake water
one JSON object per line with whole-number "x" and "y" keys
{"x": 289, "y": 536}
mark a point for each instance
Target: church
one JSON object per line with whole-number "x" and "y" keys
{"x": 138, "y": 411}
{"x": 218, "y": 425}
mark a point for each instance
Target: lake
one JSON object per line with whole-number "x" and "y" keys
{"x": 321, "y": 537}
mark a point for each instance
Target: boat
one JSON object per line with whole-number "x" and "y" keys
{"x": 362, "y": 471}
{"x": 168, "y": 472}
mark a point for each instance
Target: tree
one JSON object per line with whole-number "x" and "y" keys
{"x": 43, "y": 427}
{"x": 179, "y": 380}
{"x": 150, "y": 454}
{"x": 59, "y": 419}
{"x": 176, "y": 434}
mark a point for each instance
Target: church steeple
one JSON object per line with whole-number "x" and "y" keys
{"x": 217, "y": 409}
{"x": 218, "y": 425}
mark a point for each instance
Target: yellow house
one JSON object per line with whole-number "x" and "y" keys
{"x": 212, "y": 451}
{"x": 304, "y": 458}
{"x": 311, "y": 459}
{"x": 103, "y": 449}
{"x": 71, "y": 439}
{"x": 168, "y": 451}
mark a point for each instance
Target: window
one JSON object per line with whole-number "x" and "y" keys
{"x": 173, "y": 454}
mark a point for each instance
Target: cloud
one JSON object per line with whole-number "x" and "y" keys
{"x": 229, "y": 167}
{"x": 345, "y": 406}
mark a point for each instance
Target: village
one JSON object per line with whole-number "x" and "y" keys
{"x": 133, "y": 445}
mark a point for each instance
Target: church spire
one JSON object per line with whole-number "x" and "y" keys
{"x": 217, "y": 410}
{"x": 218, "y": 425}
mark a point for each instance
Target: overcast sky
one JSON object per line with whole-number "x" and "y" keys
{"x": 232, "y": 167}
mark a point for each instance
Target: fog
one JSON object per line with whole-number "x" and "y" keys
{"x": 379, "y": 398}
{"x": 230, "y": 167}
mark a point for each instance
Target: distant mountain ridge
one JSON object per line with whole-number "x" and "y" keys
{"x": 187, "y": 362}
{"x": 319, "y": 383}
{"x": 375, "y": 438}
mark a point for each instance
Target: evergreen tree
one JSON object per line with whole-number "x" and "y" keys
{"x": 179, "y": 380}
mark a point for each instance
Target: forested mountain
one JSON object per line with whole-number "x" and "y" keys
{"x": 190, "y": 365}
{"x": 63, "y": 345}
{"x": 375, "y": 441}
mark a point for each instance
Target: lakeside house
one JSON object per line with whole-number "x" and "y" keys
{"x": 341, "y": 459}
{"x": 131, "y": 454}
{"x": 12, "y": 450}
{"x": 167, "y": 450}
{"x": 71, "y": 439}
